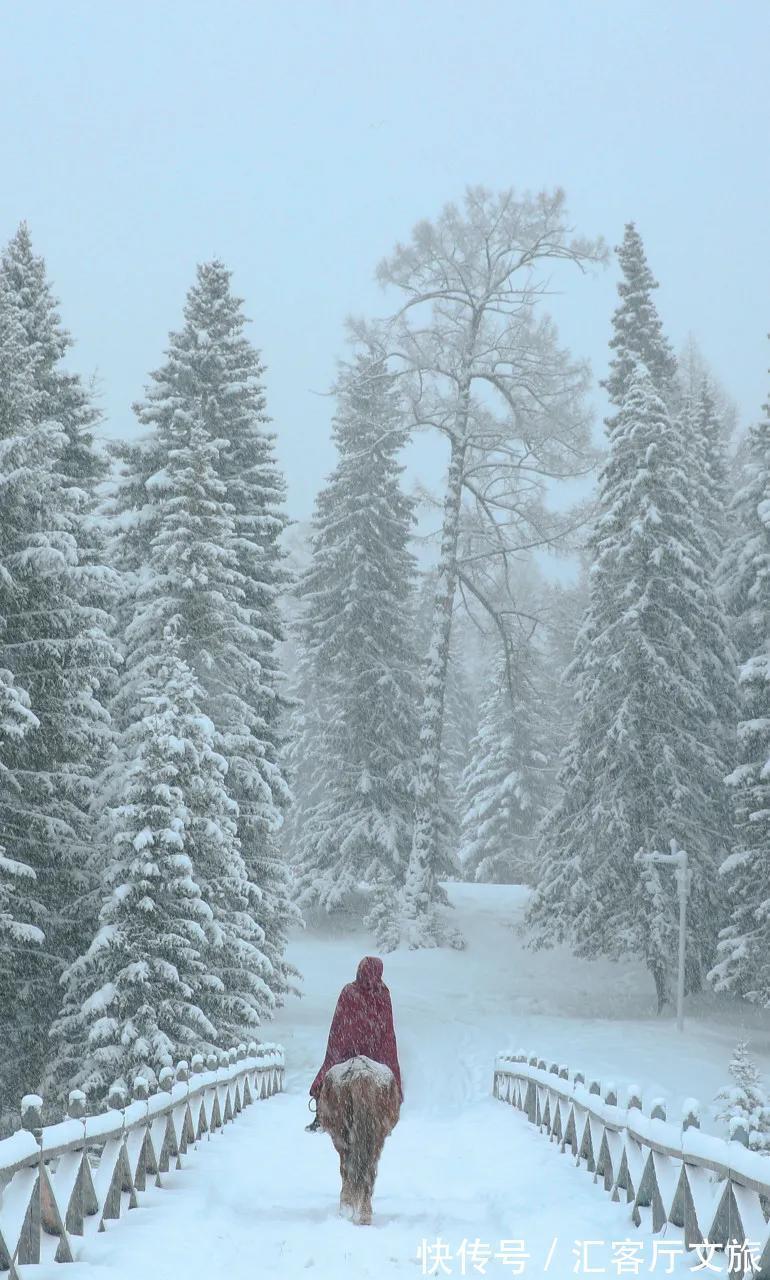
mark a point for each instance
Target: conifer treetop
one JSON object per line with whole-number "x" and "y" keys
{"x": 638, "y": 332}
{"x": 60, "y": 394}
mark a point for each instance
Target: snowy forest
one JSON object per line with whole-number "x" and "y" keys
{"x": 216, "y": 723}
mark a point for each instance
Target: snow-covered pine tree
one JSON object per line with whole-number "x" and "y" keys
{"x": 357, "y": 641}
{"x": 146, "y": 991}
{"x": 710, "y": 428}
{"x": 61, "y": 396}
{"x": 642, "y": 767}
{"x": 197, "y": 517}
{"x": 707, "y": 419}
{"x": 505, "y": 783}
{"x": 744, "y": 1104}
{"x": 638, "y": 336}
{"x": 713, "y": 418}
{"x": 563, "y": 607}
{"x": 637, "y": 330}
{"x": 256, "y": 490}
{"x": 53, "y": 641}
{"x": 303, "y": 733}
{"x": 701, "y": 431}
{"x": 743, "y": 965}
{"x": 20, "y": 451}
{"x": 16, "y": 879}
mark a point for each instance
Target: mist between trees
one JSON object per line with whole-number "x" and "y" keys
{"x": 212, "y": 726}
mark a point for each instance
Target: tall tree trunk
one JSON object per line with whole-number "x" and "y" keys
{"x": 661, "y": 987}
{"x": 419, "y": 894}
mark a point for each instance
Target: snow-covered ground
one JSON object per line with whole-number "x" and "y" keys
{"x": 261, "y": 1199}
{"x": 455, "y": 1010}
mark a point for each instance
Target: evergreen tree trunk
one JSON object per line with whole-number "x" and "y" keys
{"x": 661, "y": 987}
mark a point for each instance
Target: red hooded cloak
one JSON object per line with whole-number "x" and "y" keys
{"x": 362, "y": 1023}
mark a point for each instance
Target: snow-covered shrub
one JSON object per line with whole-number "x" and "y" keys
{"x": 744, "y": 1103}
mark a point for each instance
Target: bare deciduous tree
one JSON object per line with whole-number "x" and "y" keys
{"x": 481, "y": 364}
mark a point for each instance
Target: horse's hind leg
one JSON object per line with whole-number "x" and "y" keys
{"x": 364, "y": 1209}
{"x": 362, "y": 1204}
{"x": 347, "y": 1194}
{"x": 367, "y": 1178}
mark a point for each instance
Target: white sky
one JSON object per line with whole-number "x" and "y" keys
{"x": 299, "y": 139}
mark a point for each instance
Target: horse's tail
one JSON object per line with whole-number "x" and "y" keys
{"x": 364, "y": 1120}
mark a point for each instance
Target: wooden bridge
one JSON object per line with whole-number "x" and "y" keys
{"x": 717, "y": 1193}
{"x": 65, "y": 1179}
{"x": 64, "y": 1182}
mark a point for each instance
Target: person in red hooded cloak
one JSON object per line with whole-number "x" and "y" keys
{"x": 362, "y": 1023}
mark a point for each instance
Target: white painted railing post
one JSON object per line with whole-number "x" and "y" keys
{"x": 28, "y": 1247}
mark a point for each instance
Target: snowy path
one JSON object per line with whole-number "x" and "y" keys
{"x": 261, "y": 1202}
{"x": 261, "y": 1199}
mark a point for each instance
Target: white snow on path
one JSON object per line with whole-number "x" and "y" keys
{"x": 260, "y": 1199}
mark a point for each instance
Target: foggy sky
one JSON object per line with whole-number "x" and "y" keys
{"x": 299, "y": 139}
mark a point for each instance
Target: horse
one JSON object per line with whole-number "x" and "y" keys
{"x": 358, "y": 1107}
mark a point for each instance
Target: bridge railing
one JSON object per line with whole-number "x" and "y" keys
{"x": 716, "y": 1191}
{"x": 63, "y": 1180}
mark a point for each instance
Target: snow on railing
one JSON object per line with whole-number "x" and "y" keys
{"x": 716, "y": 1191}
{"x": 68, "y": 1178}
